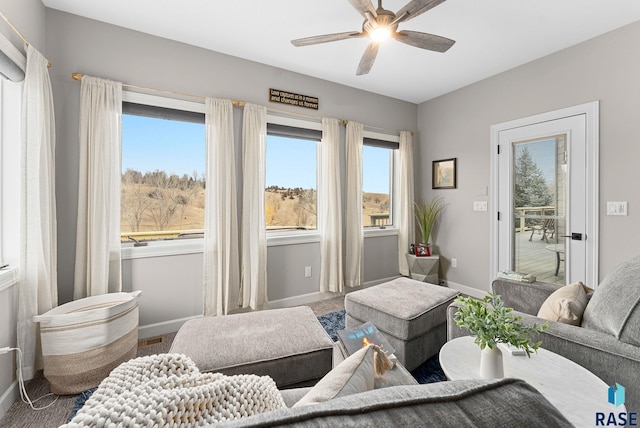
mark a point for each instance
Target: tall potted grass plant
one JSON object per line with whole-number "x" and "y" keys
{"x": 427, "y": 214}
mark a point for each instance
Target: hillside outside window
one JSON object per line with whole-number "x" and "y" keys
{"x": 163, "y": 173}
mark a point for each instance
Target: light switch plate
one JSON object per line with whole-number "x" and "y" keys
{"x": 617, "y": 208}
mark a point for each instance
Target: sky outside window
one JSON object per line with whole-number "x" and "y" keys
{"x": 375, "y": 169}
{"x": 150, "y": 144}
{"x": 291, "y": 162}
{"x": 176, "y": 147}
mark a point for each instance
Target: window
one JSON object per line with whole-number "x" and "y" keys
{"x": 377, "y": 161}
{"x": 291, "y": 184}
{"x": 10, "y": 171}
{"x": 163, "y": 172}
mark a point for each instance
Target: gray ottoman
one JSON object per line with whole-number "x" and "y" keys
{"x": 411, "y": 314}
{"x": 288, "y": 344}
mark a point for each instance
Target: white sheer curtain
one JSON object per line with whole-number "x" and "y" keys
{"x": 221, "y": 258}
{"x": 254, "y": 235}
{"x": 38, "y": 286}
{"x": 330, "y": 208}
{"x": 404, "y": 199}
{"x": 353, "y": 269}
{"x": 98, "y": 265}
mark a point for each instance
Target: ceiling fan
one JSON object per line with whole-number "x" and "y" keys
{"x": 380, "y": 24}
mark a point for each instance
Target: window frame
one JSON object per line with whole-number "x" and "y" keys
{"x": 162, "y": 248}
{"x": 295, "y": 236}
{"x": 392, "y": 142}
{"x": 10, "y": 168}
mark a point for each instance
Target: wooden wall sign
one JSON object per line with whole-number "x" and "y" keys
{"x": 284, "y": 97}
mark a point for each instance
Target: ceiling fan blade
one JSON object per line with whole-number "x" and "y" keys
{"x": 424, "y": 41}
{"x": 325, "y": 38}
{"x": 363, "y": 7}
{"x": 415, "y": 8}
{"x": 368, "y": 58}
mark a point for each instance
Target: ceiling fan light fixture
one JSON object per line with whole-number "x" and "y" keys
{"x": 381, "y": 24}
{"x": 380, "y": 34}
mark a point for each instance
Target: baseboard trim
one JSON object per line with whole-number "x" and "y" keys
{"x": 8, "y": 398}
{"x": 473, "y": 292}
{"x": 379, "y": 281}
{"x": 300, "y": 300}
{"x": 171, "y": 326}
{"x": 160, "y": 328}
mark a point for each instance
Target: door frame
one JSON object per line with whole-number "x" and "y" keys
{"x": 592, "y": 144}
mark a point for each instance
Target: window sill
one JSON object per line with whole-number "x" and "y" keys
{"x": 292, "y": 238}
{"x": 8, "y": 277}
{"x": 162, "y": 249}
{"x": 194, "y": 246}
{"x": 373, "y": 232}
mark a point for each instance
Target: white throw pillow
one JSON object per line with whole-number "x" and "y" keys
{"x": 355, "y": 374}
{"x": 566, "y": 304}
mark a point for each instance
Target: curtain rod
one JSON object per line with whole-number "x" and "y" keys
{"x": 344, "y": 122}
{"x": 78, "y": 76}
{"x": 15, "y": 30}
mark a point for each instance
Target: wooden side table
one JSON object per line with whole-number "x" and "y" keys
{"x": 424, "y": 268}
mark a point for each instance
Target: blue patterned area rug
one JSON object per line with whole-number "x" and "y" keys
{"x": 429, "y": 372}
{"x": 80, "y": 400}
{"x": 332, "y": 322}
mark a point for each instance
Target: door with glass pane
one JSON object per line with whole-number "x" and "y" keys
{"x": 543, "y": 203}
{"x": 539, "y": 211}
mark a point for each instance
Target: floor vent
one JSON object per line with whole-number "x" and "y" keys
{"x": 150, "y": 341}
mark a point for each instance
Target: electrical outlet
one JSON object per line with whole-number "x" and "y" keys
{"x": 454, "y": 262}
{"x": 307, "y": 271}
{"x": 480, "y": 205}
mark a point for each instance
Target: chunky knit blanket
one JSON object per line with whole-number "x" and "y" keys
{"x": 169, "y": 390}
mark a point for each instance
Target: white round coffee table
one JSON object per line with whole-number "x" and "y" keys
{"x": 571, "y": 388}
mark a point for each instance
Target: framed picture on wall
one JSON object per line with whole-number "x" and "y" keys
{"x": 444, "y": 174}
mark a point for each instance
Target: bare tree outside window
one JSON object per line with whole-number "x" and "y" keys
{"x": 159, "y": 203}
{"x": 376, "y": 186}
{"x": 290, "y": 193}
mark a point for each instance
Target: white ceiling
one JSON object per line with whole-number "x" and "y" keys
{"x": 491, "y": 35}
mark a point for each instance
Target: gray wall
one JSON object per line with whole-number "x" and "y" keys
{"x": 457, "y": 125}
{"x": 28, "y": 16}
{"x": 95, "y": 48}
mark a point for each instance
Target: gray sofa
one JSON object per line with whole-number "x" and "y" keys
{"x": 468, "y": 403}
{"x": 608, "y": 341}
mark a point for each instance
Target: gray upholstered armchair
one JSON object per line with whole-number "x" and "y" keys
{"x": 607, "y": 342}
